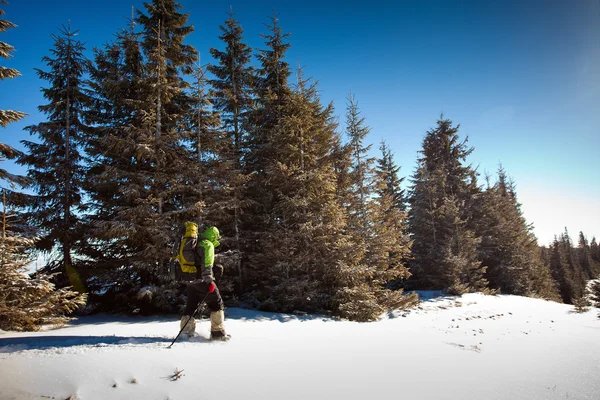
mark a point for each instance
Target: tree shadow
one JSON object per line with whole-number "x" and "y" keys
{"x": 432, "y": 295}
{"x": 245, "y": 314}
{"x": 102, "y": 318}
{"x": 235, "y": 313}
{"x": 16, "y": 344}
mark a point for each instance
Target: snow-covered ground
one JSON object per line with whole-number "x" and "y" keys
{"x": 468, "y": 347}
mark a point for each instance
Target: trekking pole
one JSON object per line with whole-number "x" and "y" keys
{"x": 186, "y": 322}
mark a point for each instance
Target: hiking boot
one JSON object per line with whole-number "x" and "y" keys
{"x": 219, "y": 335}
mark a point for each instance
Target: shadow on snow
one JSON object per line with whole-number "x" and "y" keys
{"x": 244, "y": 314}
{"x": 11, "y": 345}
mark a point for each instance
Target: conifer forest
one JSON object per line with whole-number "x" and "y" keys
{"x": 140, "y": 137}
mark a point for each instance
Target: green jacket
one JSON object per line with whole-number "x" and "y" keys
{"x": 193, "y": 254}
{"x": 210, "y": 240}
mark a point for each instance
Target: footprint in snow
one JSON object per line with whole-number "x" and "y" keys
{"x": 474, "y": 348}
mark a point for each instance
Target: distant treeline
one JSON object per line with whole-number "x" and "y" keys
{"x": 141, "y": 138}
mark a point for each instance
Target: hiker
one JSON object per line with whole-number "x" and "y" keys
{"x": 203, "y": 286}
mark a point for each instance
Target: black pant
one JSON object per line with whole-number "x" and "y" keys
{"x": 196, "y": 291}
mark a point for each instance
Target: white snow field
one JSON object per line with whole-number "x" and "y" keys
{"x": 468, "y": 347}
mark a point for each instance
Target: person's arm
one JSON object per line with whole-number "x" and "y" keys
{"x": 209, "y": 258}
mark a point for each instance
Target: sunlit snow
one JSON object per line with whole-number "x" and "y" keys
{"x": 468, "y": 347}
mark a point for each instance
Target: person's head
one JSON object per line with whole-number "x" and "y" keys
{"x": 191, "y": 229}
{"x": 212, "y": 234}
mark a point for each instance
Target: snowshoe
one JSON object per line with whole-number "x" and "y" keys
{"x": 219, "y": 336}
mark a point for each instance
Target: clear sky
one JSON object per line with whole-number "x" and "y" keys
{"x": 521, "y": 77}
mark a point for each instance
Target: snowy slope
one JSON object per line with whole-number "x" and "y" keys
{"x": 470, "y": 347}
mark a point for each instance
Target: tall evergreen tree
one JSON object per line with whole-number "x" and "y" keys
{"x": 361, "y": 173}
{"x": 301, "y": 243}
{"x": 115, "y": 178}
{"x": 444, "y": 244}
{"x": 55, "y": 163}
{"x": 584, "y": 256}
{"x": 508, "y": 246}
{"x": 233, "y": 84}
{"x": 271, "y": 92}
{"x": 8, "y": 116}
{"x": 377, "y": 226}
{"x": 561, "y": 272}
{"x": 357, "y": 297}
{"x": 595, "y": 294}
{"x": 577, "y": 273}
{"x": 342, "y": 166}
{"x": 595, "y": 251}
{"x": 387, "y": 172}
{"x": 144, "y": 141}
{"x": 172, "y": 176}
{"x": 232, "y": 97}
{"x": 389, "y": 249}
{"x": 566, "y": 270}
{"x": 207, "y": 141}
{"x": 25, "y": 303}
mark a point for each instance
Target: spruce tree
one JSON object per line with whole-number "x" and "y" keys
{"x": 595, "y": 257}
{"x": 361, "y": 173}
{"x": 508, "y": 246}
{"x": 586, "y": 262}
{"x": 233, "y": 84}
{"x": 595, "y": 294}
{"x": 391, "y": 243}
{"x": 208, "y": 142}
{"x": 356, "y": 298}
{"x": 342, "y": 163}
{"x": 387, "y": 172}
{"x": 271, "y": 92}
{"x": 168, "y": 60}
{"x": 232, "y": 98}
{"x": 595, "y": 251}
{"x": 560, "y": 271}
{"x": 115, "y": 177}
{"x": 389, "y": 247}
{"x": 55, "y": 163}
{"x": 566, "y": 269}
{"x": 575, "y": 269}
{"x": 302, "y": 241}
{"x": 145, "y": 178}
{"x": 377, "y": 225}
{"x": 444, "y": 244}
{"x": 27, "y": 303}
{"x": 8, "y": 116}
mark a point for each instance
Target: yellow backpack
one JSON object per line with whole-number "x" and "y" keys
{"x": 186, "y": 255}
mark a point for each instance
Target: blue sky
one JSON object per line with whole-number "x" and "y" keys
{"x": 521, "y": 77}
